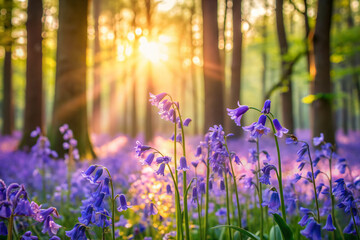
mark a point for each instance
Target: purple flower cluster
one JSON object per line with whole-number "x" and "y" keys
{"x": 69, "y": 143}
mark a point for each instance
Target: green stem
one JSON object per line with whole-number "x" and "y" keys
{"x": 207, "y": 194}
{"x": 235, "y": 186}
{"x": 177, "y": 213}
{"x": 10, "y": 227}
{"x": 227, "y": 202}
{"x": 260, "y": 191}
{"x": 356, "y": 229}
{"x": 112, "y": 205}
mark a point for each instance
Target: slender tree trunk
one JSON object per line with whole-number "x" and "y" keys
{"x": 236, "y": 62}
{"x": 213, "y": 69}
{"x": 286, "y": 95}
{"x": 193, "y": 71}
{"x": 8, "y": 101}
{"x": 264, "y": 56}
{"x": 34, "y": 105}
{"x": 70, "y": 86}
{"x": 345, "y": 106}
{"x": 322, "y": 114}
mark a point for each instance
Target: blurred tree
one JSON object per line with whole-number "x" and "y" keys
{"x": 96, "y": 98}
{"x": 236, "y": 61}
{"x": 34, "y": 105}
{"x": 264, "y": 54}
{"x": 286, "y": 70}
{"x": 8, "y": 101}
{"x": 213, "y": 69}
{"x": 322, "y": 87}
{"x": 70, "y": 104}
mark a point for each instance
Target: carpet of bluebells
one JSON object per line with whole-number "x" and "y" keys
{"x": 269, "y": 184}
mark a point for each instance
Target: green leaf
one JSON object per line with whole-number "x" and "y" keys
{"x": 241, "y": 230}
{"x": 275, "y": 233}
{"x": 284, "y": 228}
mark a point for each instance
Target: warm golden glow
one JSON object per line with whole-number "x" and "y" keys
{"x": 153, "y": 51}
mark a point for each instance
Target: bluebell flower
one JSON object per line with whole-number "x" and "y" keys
{"x": 202, "y": 188}
{"x": 105, "y": 186}
{"x": 296, "y": 178}
{"x": 77, "y": 233}
{"x": 161, "y": 170}
{"x": 153, "y": 209}
{"x": 50, "y": 226}
{"x": 178, "y": 138}
{"x": 301, "y": 166}
{"x": 265, "y": 178}
{"x": 237, "y": 160}
{"x": 318, "y": 140}
{"x": 122, "y": 222}
{"x": 183, "y": 165}
{"x": 102, "y": 218}
{"x": 87, "y": 215}
{"x": 257, "y": 129}
{"x": 266, "y": 108}
{"x": 329, "y": 224}
{"x": 89, "y": 171}
{"x": 164, "y": 159}
{"x": 5, "y": 209}
{"x": 210, "y": 185}
{"x": 195, "y": 163}
{"x": 350, "y": 229}
{"x": 149, "y": 159}
{"x": 274, "y": 203}
{"x": 3, "y": 229}
{"x": 140, "y": 149}
{"x": 55, "y": 238}
{"x": 194, "y": 195}
{"x": 99, "y": 200}
{"x": 98, "y": 174}
{"x": 237, "y": 113}
{"x": 198, "y": 151}
{"x": 222, "y": 185}
{"x": 168, "y": 189}
{"x": 28, "y": 236}
{"x": 312, "y": 230}
{"x": 123, "y": 204}
{"x": 280, "y": 131}
{"x": 341, "y": 165}
{"x": 187, "y": 122}
{"x": 36, "y": 132}
{"x": 155, "y": 99}
{"x": 23, "y": 208}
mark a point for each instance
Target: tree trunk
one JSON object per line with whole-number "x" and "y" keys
{"x": 286, "y": 70}
{"x": 34, "y": 105}
{"x": 236, "y": 62}
{"x": 322, "y": 114}
{"x": 70, "y": 86}
{"x": 8, "y": 101}
{"x": 213, "y": 69}
{"x": 96, "y": 110}
{"x": 193, "y": 71}
{"x": 264, "y": 57}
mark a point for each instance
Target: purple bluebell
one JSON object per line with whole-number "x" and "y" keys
{"x": 198, "y": 151}
{"x": 341, "y": 165}
{"x": 155, "y": 99}
{"x": 195, "y": 163}
{"x": 210, "y": 185}
{"x": 123, "y": 204}
{"x": 301, "y": 166}
{"x": 202, "y": 188}
{"x": 105, "y": 186}
{"x": 318, "y": 140}
{"x": 266, "y": 108}
{"x": 265, "y": 178}
{"x": 102, "y": 218}
{"x": 99, "y": 200}
{"x": 291, "y": 140}
{"x": 64, "y": 128}
{"x": 77, "y": 233}
{"x": 187, "y": 122}
{"x": 153, "y": 209}
{"x": 178, "y": 138}
{"x": 36, "y": 132}
{"x": 50, "y": 226}
{"x": 280, "y": 131}
{"x": 164, "y": 159}
{"x": 87, "y": 215}
{"x": 257, "y": 129}
{"x": 183, "y": 165}
{"x": 274, "y": 203}
{"x": 28, "y": 236}
{"x": 161, "y": 170}
{"x": 303, "y": 221}
{"x": 149, "y": 159}
{"x": 96, "y": 177}
{"x": 237, "y": 160}
{"x": 222, "y": 185}
{"x": 296, "y": 178}
{"x": 329, "y": 224}
{"x": 350, "y": 229}
{"x": 3, "y": 229}
{"x": 237, "y": 113}
{"x": 168, "y": 189}
{"x": 312, "y": 230}
{"x": 23, "y": 208}
{"x": 89, "y": 171}
{"x": 55, "y": 238}
{"x": 194, "y": 195}
{"x": 5, "y": 209}
{"x": 140, "y": 149}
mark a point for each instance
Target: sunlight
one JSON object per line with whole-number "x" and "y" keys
{"x": 153, "y": 51}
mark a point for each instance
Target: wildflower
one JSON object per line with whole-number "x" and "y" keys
{"x": 87, "y": 215}
{"x": 187, "y": 122}
{"x": 318, "y": 140}
{"x": 329, "y": 224}
{"x": 257, "y": 129}
{"x": 222, "y": 185}
{"x": 202, "y": 188}
{"x": 3, "y": 229}
{"x": 36, "y": 132}
{"x": 280, "y": 130}
{"x": 266, "y": 108}
{"x": 198, "y": 151}
{"x": 99, "y": 200}
{"x": 96, "y": 177}
{"x": 28, "y": 236}
{"x": 237, "y": 113}
{"x": 237, "y": 160}
{"x": 164, "y": 159}
{"x": 265, "y": 178}
{"x": 89, "y": 171}
{"x": 105, "y": 186}
{"x": 183, "y": 165}
{"x": 168, "y": 189}
{"x": 195, "y": 163}
{"x": 77, "y": 233}
{"x": 153, "y": 209}
{"x": 312, "y": 230}
{"x": 123, "y": 204}
{"x": 194, "y": 195}
{"x": 341, "y": 165}
{"x": 274, "y": 203}
{"x": 161, "y": 170}
{"x": 149, "y": 159}
{"x": 178, "y": 138}
{"x": 54, "y": 238}
{"x": 50, "y": 226}
{"x": 140, "y": 149}
{"x": 297, "y": 177}
{"x": 155, "y": 99}
{"x": 350, "y": 229}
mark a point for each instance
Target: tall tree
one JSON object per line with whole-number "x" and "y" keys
{"x": 8, "y": 102}
{"x": 70, "y": 86}
{"x": 236, "y": 61}
{"x": 96, "y": 110}
{"x": 286, "y": 69}
{"x": 213, "y": 69}
{"x": 322, "y": 109}
{"x": 34, "y": 106}
{"x": 264, "y": 56}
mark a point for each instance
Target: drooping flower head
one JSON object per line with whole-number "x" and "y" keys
{"x": 123, "y": 204}
{"x": 257, "y": 129}
{"x": 140, "y": 149}
{"x": 274, "y": 202}
{"x": 318, "y": 140}
{"x": 237, "y": 113}
{"x": 265, "y": 178}
{"x": 312, "y": 230}
{"x": 329, "y": 224}
{"x": 266, "y": 108}
{"x": 183, "y": 165}
{"x": 153, "y": 209}
{"x": 280, "y": 131}
{"x": 155, "y": 99}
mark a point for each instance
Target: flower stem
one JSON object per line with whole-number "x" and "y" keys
{"x": 235, "y": 186}
{"x": 207, "y": 194}
{"x": 177, "y": 212}
{"x": 10, "y": 227}
{"x": 112, "y": 205}
{"x": 227, "y": 202}
{"x": 260, "y": 192}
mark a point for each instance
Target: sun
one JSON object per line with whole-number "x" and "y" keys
{"x": 153, "y": 51}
